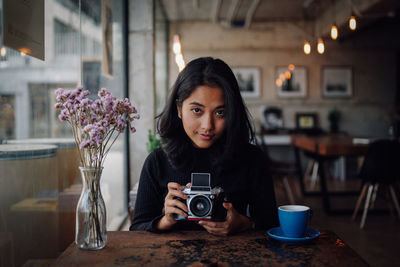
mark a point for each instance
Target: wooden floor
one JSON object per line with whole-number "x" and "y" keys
{"x": 377, "y": 243}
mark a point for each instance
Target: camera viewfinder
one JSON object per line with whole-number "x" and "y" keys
{"x": 201, "y": 180}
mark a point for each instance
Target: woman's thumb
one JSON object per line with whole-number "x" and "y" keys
{"x": 227, "y": 205}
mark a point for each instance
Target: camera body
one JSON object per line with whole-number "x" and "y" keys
{"x": 203, "y": 202}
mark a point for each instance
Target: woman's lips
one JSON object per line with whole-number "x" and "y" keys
{"x": 205, "y": 136}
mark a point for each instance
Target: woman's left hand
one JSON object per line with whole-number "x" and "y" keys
{"x": 235, "y": 222}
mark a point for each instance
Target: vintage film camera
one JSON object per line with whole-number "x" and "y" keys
{"x": 203, "y": 202}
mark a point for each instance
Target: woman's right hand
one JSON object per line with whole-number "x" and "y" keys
{"x": 172, "y": 206}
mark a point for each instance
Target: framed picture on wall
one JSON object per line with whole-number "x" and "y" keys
{"x": 249, "y": 81}
{"x": 337, "y": 81}
{"x": 306, "y": 120}
{"x": 291, "y": 81}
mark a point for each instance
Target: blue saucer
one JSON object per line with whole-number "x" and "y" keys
{"x": 277, "y": 234}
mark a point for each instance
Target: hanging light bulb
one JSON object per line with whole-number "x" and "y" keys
{"x": 307, "y": 47}
{"x": 352, "y": 23}
{"x": 177, "y": 49}
{"x": 180, "y": 61}
{"x": 3, "y": 51}
{"x": 177, "y": 45}
{"x": 334, "y": 32}
{"x": 320, "y": 46}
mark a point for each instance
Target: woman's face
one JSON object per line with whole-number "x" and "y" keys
{"x": 203, "y": 115}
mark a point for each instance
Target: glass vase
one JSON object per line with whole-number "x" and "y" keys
{"x": 90, "y": 231}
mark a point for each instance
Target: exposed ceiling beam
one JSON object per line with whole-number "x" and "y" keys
{"x": 215, "y": 11}
{"x": 354, "y": 8}
{"x": 233, "y": 8}
{"x": 250, "y": 12}
{"x": 307, "y": 35}
{"x": 195, "y": 4}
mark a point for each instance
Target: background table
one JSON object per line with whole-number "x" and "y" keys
{"x": 322, "y": 149}
{"x": 193, "y": 248}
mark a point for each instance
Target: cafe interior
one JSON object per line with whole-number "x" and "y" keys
{"x": 320, "y": 79}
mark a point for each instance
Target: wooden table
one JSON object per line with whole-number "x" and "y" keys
{"x": 329, "y": 146}
{"x": 321, "y": 149}
{"x": 199, "y": 248}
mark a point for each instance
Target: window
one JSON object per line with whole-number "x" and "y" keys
{"x": 39, "y": 189}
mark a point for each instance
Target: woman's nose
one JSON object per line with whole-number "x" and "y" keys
{"x": 207, "y": 122}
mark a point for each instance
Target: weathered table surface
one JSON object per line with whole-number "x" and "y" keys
{"x": 198, "y": 248}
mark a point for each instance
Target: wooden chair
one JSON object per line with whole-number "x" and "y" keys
{"x": 281, "y": 170}
{"x": 380, "y": 169}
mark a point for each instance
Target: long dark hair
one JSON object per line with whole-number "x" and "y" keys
{"x": 238, "y": 129}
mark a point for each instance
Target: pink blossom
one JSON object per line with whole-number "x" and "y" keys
{"x": 102, "y": 92}
{"x": 95, "y": 121}
{"x": 62, "y": 117}
{"x": 84, "y": 144}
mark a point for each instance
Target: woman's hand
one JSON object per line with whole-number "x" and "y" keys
{"x": 235, "y": 222}
{"x": 172, "y": 206}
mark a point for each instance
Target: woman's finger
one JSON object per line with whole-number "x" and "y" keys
{"x": 174, "y": 210}
{"x": 211, "y": 224}
{"x": 176, "y": 203}
{"x": 176, "y": 193}
{"x": 175, "y": 186}
{"x": 216, "y": 231}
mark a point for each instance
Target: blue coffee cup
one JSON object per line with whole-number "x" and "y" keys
{"x": 294, "y": 219}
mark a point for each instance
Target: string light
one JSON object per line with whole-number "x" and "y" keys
{"x": 177, "y": 49}
{"x": 320, "y": 46}
{"x": 334, "y": 32}
{"x": 334, "y": 28}
{"x": 352, "y": 23}
{"x": 180, "y": 61}
{"x": 3, "y": 51}
{"x": 177, "y": 45}
{"x": 24, "y": 51}
{"x": 307, "y": 48}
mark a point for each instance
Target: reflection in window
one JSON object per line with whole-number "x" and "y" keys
{"x": 39, "y": 121}
{"x": 66, "y": 40}
{"x": 7, "y": 117}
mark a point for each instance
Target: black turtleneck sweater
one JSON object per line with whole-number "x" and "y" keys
{"x": 246, "y": 183}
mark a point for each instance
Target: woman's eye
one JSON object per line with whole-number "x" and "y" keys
{"x": 220, "y": 113}
{"x": 196, "y": 110}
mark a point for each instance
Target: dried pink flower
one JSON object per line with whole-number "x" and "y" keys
{"x": 96, "y": 124}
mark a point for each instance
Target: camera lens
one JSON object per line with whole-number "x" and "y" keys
{"x": 200, "y": 206}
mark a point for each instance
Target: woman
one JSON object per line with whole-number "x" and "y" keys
{"x": 205, "y": 128}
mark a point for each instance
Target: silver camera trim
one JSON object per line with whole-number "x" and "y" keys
{"x": 206, "y": 196}
{"x": 210, "y": 195}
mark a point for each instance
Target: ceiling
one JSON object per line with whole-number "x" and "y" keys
{"x": 244, "y": 13}
{"x": 237, "y": 10}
